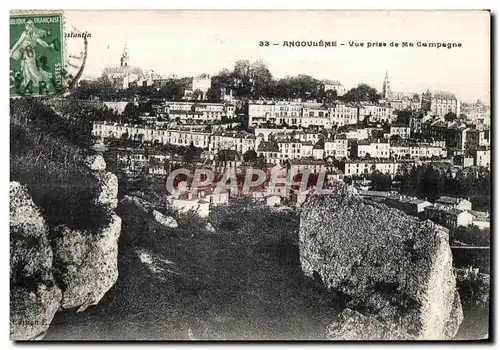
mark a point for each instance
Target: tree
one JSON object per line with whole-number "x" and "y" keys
{"x": 225, "y": 79}
{"x": 172, "y": 90}
{"x": 261, "y": 80}
{"x": 241, "y": 75}
{"x": 191, "y": 153}
{"x": 214, "y": 94}
{"x": 241, "y": 69}
{"x": 395, "y": 138}
{"x": 363, "y": 92}
{"x": 450, "y": 116}
{"x": 130, "y": 111}
{"x": 330, "y": 96}
{"x": 386, "y": 127}
{"x": 145, "y": 107}
{"x": 403, "y": 178}
{"x": 403, "y": 117}
{"x": 301, "y": 86}
{"x": 250, "y": 156}
{"x": 471, "y": 235}
{"x": 102, "y": 87}
{"x": 380, "y": 181}
{"x": 197, "y": 94}
{"x": 431, "y": 184}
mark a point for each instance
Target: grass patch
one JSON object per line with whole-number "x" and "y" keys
{"x": 240, "y": 283}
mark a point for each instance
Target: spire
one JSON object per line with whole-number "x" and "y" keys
{"x": 124, "y": 58}
{"x": 386, "y": 87}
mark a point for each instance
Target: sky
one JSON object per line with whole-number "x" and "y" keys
{"x": 188, "y": 43}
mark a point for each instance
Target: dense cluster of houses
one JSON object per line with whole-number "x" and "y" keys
{"x": 356, "y": 146}
{"x": 450, "y": 212}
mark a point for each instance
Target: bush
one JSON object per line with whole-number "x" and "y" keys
{"x": 246, "y": 221}
{"x": 474, "y": 290}
{"x": 471, "y": 235}
{"x": 74, "y": 126}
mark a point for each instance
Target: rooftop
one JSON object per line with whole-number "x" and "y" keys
{"x": 449, "y": 200}
{"x": 331, "y": 82}
{"x": 289, "y": 141}
{"x": 419, "y": 201}
{"x": 306, "y": 161}
{"x": 234, "y": 134}
{"x": 379, "y": 161}
{"x": 443, "y": 95}
{"x": 180, "y": 111}
{"x": 266, "y": 146}
{"x": 374, "y": 193}
{"x": 456, "y": 212}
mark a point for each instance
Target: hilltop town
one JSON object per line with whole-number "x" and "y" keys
{"x": 420, "y": 148}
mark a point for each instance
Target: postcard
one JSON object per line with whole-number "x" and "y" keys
{"x": 222, "y": 175}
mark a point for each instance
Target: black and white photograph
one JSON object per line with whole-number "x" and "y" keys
{"x": 250, "y": 175}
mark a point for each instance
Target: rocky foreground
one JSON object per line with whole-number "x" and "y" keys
{"x": 378, "y": 274}
{"x": 58, "y": 268}
{"x": 395, "y": 271}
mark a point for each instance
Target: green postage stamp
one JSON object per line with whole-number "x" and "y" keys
{"x": 36, "y": 54}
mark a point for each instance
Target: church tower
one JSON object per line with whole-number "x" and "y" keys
{"x": 386, "y": 88}
{"x": 124, "y": 58}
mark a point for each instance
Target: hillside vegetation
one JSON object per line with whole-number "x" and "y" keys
{"x": 47, "y": 153}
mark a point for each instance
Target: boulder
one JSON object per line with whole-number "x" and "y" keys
{"x": 164, "y": 220}
{"x": 108, "y": 195}
{"x": 353, "y": 325}
{"x": 210, "y": 228}
{"x": 96, "y": 162}
{"x": 388, "y": 265}
{"x": 32, "y": 310}
{"x": 139, "y": 194}
{"x": 24, "y": 215}
{"x": 34, "y": 294}
{"x": 154, "y": 263}
{"x": 86, "y": 262}
{"x": 140, "y": 203}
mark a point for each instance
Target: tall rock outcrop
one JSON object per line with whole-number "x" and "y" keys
{"x": 34, "y": 294}
{"x": 395, "y": 271}
{"x": 108, "y": 195}
{"x": 95, "y": 162}
{"x": 86, "y": 263}
{"x": 55, "y": 268}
